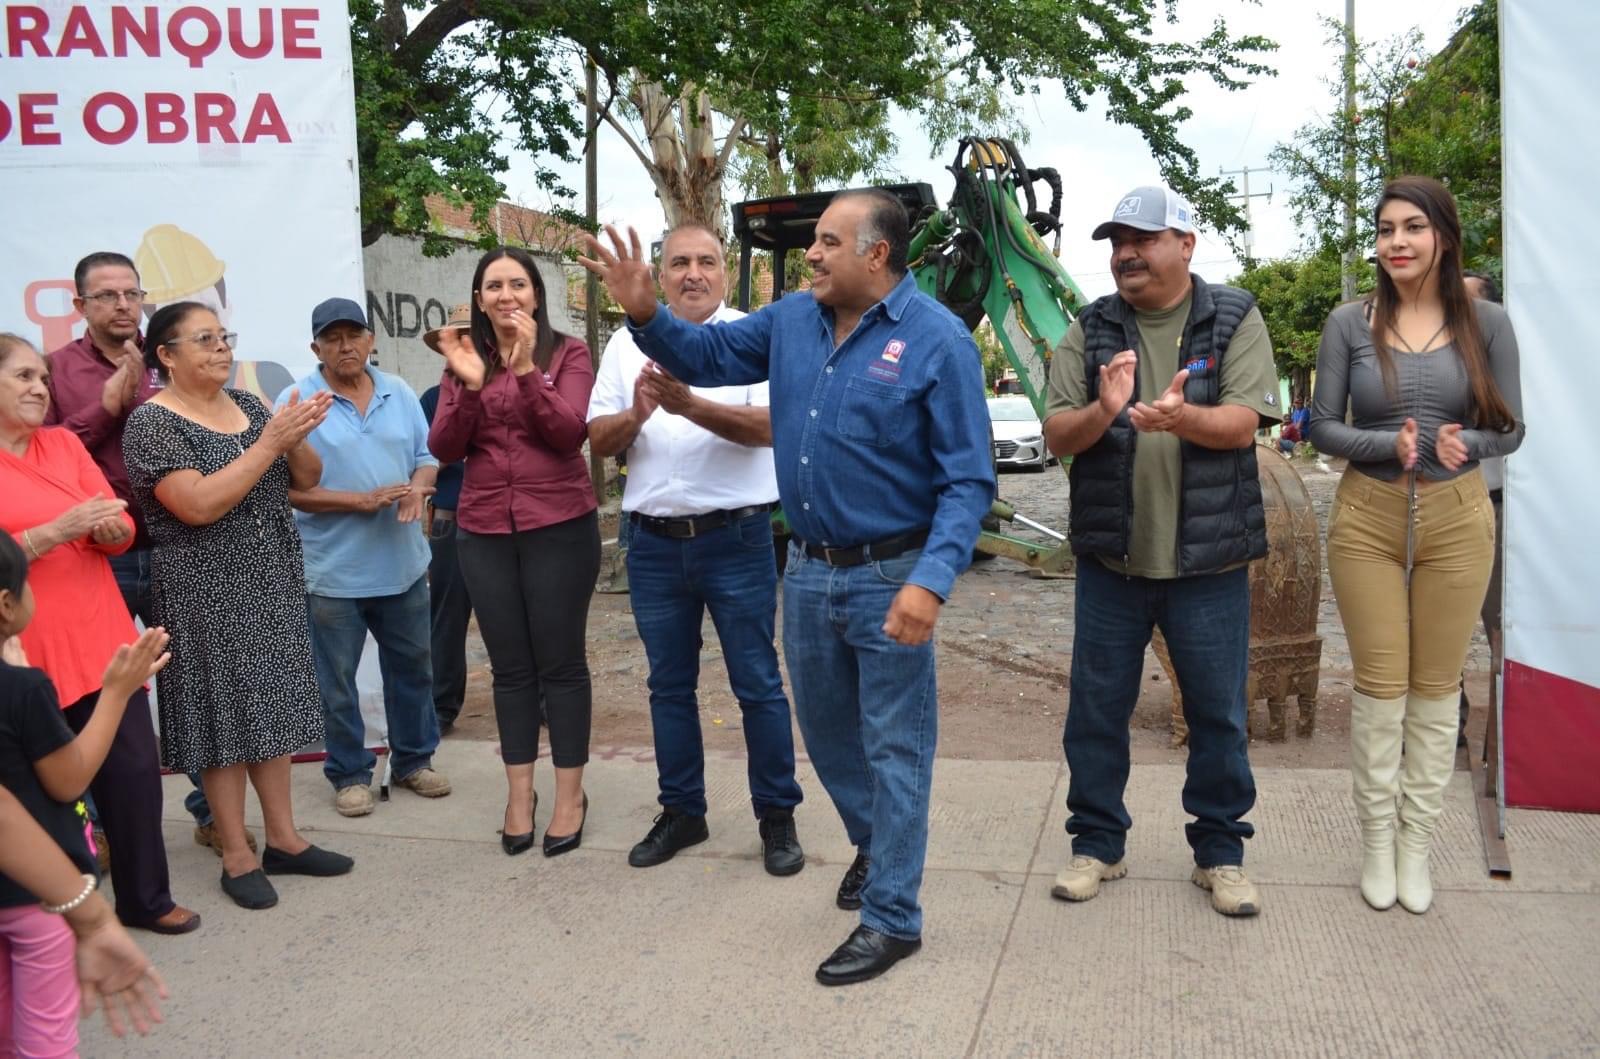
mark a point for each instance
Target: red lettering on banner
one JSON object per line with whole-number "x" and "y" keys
{"x": 35, "y": 123}
{"x": 263, "y": 44}
{"x": 5, "y": 121}
{"x": 123, "y": 27}
{"x": 32, "y": 32}
{"x": 214, "y": 113}
{"x": 294, "y": 33}
{"x": 101, "y": 134}
{"x": 79, "y": 34}
{"x": 195, "y": 51}
{"x": 265, "y": 121}
{"x": 163, "y": 118}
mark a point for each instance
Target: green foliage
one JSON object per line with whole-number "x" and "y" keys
{"x": 1295, "y": 296}
{"x": 995, "y": 363}
{"x": 1438, "y": 117}
{"x": 438, "y": 85}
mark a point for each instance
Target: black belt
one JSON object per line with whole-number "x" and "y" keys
{"x": 444, "y": 514}
{"x": 694, "y": 525}
{"x": 862, "y": 554}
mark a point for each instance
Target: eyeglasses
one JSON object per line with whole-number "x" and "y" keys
{"x": 208, "y": 340}
{"x": 108, "y": 298}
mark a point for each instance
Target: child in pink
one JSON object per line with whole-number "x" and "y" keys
{"x": 47, "y": 768}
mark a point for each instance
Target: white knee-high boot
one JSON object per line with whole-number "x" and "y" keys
{"x": 1375, "y": 726}
{"x": 1430, "y": 729}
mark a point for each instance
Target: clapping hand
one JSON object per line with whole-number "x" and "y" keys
{"x": 1449, "y": 447}
{"x": 1116, "y": 381}
{"x": 412, "y": 501}
{"x": 660, "y": 388}
{"x": 461, "y": 357}
{"x": 81, "y": 519}
{"x": 625, "y": 271}
{"x": 1166, "y": 412}
{"x": 519, "y": 358}
{"x": 294, "y": 422}
{"x": 110, "y": 531}
{"x": 1405, "y": 445}
{"x": 136, "y": 663}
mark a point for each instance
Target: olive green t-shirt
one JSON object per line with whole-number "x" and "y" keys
{"x": 1248, "y": 378}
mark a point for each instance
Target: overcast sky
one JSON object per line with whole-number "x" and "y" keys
{"x": 1100, "y": 160}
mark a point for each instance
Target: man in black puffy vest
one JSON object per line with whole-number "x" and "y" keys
{"x": 1156, "y": 392}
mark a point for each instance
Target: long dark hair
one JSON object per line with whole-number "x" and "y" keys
{"x": 163, "y": 328}
{"x": 1489, "y": 409}
{"x": 545, "y": 337}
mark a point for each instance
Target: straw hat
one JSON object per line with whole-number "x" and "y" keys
{"x": 460, "y": 319}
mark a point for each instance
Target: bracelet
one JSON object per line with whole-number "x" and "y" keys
{"x": 28, "y": 540}
{"x": 89, "y": 884}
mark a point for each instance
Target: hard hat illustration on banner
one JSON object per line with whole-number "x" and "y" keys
{"x": 173, "y": 264}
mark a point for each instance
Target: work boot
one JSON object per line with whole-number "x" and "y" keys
{"x": 1232, "y": 893}
{"x": 426, "y": 782}
{"x": 1430, "y": 728}
{"x": 354, "y": 800}
{"x": 206, "y": 835}
{"x": 1375, "y": 726}
{"x": 1080, "y": 879}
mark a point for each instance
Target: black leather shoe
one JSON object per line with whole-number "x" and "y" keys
{"x": 555, "y": 845}
{"x": 780, "y": 843}
{"x": 865, "y": 954}
{"x": 670, "y": 832}
{"x": 850, "y": 886}
{"x": 515, "y": 844}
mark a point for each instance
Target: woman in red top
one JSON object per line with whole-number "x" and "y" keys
{"x": 59, "y": 507}
{"x": 513, "y": 404}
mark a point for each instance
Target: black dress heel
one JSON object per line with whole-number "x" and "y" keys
{"x": 515, "y": 844}
{"x": 555, "y": 845}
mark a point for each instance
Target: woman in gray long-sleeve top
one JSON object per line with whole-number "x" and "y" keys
{"x": 1411, "y": 534}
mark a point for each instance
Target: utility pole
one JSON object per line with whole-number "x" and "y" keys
{"x": 591, "y": 211}
{"x": 1347, "y": 260}
{"x": 1245, "y": 196}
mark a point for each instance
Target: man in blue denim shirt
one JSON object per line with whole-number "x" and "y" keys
{"x": 881, "y": 441}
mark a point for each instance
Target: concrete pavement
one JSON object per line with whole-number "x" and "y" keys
{"x": 440, "y": 945}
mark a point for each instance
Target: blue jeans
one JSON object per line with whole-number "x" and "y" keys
{"x": 132, "y": 571}
{"x": 451, "y": 609}
{"x": 671, "y": 584}
{"x": 869, "y": 712}
{"x": 1206, "y": 622}
{"x": 400, "y": 624}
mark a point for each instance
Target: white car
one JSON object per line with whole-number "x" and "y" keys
{"x": 1017, "y": 433}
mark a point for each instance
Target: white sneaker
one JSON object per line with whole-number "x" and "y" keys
{"x": 1232, "y": 893}
{"x": 1080, "y": 879}
{"x": 354, "y": 800}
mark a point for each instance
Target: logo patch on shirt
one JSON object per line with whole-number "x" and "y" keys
{"x": 1197, "y": 364}
{"x": 892, "y": 351}
{"x": 1272, "y": 400}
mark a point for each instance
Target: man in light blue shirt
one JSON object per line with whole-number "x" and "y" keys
{"x": 880, "y": 437}
{"x": 366, "y": 559}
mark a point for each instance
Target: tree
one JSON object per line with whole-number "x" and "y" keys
{"x": 1439, "y": 117}
{"x": 434, "y": 91}
{"x": 1295, "y": 295}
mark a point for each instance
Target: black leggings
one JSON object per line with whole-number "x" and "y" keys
{"x": 531, "y": 591}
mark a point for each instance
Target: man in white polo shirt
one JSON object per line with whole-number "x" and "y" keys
{"x": 700, "y": 491}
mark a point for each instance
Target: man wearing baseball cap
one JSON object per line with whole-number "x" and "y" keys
{"x": 366, "y": 559}
{"x": 1157, "y": 392}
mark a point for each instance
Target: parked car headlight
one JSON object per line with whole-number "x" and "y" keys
{"x": 1031, "y": 439}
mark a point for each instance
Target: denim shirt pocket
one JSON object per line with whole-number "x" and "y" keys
{"x": 872, "y": 413}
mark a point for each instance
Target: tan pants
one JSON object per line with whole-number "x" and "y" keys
{"x": 1409, "y": 640}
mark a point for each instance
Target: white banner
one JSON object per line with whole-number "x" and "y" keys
{"x": 214, "y": 146}
{"x": 1552, "y": 569}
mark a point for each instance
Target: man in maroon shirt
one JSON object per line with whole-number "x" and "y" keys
{"x": 95, "y": 383}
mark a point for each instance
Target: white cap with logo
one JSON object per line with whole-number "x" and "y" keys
{"x": 1150, "y": 209}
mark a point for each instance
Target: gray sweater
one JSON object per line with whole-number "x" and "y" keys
{"x": 1431, "y": 388}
